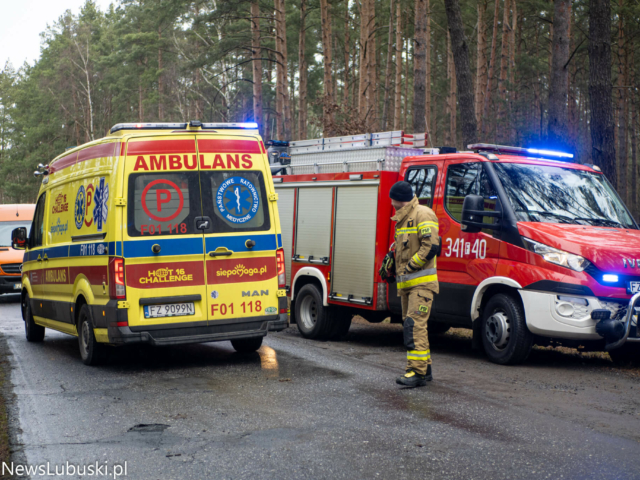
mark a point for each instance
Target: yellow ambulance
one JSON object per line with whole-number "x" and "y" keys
{"x": 164, "y": 233}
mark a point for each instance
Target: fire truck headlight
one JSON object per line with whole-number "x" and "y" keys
{"x": 559, "y": 257}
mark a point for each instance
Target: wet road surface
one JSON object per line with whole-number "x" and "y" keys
{"x": 302, "y": 409}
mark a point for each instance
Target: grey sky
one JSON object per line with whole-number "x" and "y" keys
{"x": 21, "y": 23}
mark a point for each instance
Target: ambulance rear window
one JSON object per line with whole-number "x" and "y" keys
{"x": 235, "y": 200}
{"x": 163, "y": 204}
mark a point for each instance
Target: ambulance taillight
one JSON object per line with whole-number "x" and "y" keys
{"x": 117, "y": 288}
{"x": 282, "y": 277}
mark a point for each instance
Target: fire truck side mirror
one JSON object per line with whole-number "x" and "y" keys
{"x": 473, "y": 213}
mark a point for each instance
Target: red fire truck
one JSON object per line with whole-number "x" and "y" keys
{"x": 534, "y": 249}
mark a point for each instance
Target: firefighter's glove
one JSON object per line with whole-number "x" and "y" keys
{"x": 388, "y": 269}
{"x": 411, "y": 268}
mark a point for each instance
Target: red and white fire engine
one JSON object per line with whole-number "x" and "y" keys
{"x": 534, "y": 249}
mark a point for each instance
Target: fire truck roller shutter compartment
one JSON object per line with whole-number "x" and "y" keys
{"x": 313, "y": 228}
{"x": 354, "y": 246}
{"x": 285, "y": 207}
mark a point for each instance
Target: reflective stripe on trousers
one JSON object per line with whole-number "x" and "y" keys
{"x": 416, "y": 278}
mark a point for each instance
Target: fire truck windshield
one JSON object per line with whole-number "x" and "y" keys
{"x": 562, "y": 195}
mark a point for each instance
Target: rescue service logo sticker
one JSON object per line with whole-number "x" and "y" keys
{"x": 81, "y": 198}
{"x": 101, "y": 210}
{"x": 237, "y": 200}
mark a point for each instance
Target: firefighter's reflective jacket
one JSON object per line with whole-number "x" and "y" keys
{"x": 417, "y": 243}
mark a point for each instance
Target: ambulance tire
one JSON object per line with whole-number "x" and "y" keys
{"x": 33, "y": 331}
{"x": 505, "y": 337}
{"x": 91, "y": 352}
{"x": 313, "y": 318}
{"x": 247, "y": 345}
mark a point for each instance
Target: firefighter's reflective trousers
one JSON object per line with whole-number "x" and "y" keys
{"x": 416, "y": 308}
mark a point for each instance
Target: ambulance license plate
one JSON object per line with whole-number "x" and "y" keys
{"x": 634, "y": 287}
{"x": 169, "y": 310}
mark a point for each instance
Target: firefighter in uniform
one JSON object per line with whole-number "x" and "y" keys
{"x": 416, "y": 245}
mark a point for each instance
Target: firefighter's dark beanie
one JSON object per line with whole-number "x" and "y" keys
{"x": 401, "y": 191}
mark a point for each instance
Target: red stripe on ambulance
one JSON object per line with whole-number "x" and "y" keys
{"x": 96, "y": 151}
{"x": 228, "y": 146}
{"x": 165, "y": 275}
{"x": 156, "y": 147}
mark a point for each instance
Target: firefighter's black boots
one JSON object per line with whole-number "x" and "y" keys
{"x": 413, "y": 379}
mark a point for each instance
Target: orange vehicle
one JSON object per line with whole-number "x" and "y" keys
{"x": 12, "y": 216}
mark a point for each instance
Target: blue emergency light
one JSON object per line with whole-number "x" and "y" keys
{"x": 489, "y": 147}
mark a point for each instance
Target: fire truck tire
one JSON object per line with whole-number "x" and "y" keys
{"x": 505, "y": 337}
{"x": 91, "y": 352}
{"x": 247, "y": 345}
{"x": 627, "y": 354}
{"x": 437, "y": 328}
{"x": 33, "y": 332}
{"x": 341, "y": 322}
{"x": 314, "y": 319}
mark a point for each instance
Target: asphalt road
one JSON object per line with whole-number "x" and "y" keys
{"x": 302, "y": 409}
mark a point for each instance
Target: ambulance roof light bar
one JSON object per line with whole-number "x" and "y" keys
{"x": 184, "y": 125}
{"x": 535, "y": 152}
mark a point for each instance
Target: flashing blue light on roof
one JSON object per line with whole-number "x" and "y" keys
{"x": 610, "y": 278}
{"x": 550, "y": 153}
{"x": 249, "y": 125}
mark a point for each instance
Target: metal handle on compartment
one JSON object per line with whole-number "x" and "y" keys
{"x": 221, "y": 253}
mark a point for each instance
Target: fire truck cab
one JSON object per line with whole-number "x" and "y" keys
{"x": 534, "y": 249}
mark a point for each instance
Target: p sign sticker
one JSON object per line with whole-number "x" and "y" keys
{"x": 164, "y": 202}
{"x": 238, "y": 200}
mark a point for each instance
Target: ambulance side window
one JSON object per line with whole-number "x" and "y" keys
{"x": 468, "y": 179}
{"x": 37, "y": 228}
{"x": 422, "y": 182}
{"x": 163, "y": 204}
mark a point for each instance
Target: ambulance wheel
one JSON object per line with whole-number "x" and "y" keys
{"x": 247, "y": 345}
{"x": 313, "y": 319}
{"x": 627, "y": 354}
{"x": 505, "y": 337}
{"x": 33, "y": 332}
{"x": 91, "y": 352}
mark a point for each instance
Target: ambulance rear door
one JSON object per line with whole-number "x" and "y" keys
{"x": 163, "y": 246}
{"x": 241, "y": 241}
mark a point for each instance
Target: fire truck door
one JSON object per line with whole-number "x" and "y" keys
{"x": 466, "y": 258}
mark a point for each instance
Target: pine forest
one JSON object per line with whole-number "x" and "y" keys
{"x": 539, "y": 73}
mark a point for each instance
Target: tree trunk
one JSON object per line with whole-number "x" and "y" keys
{"x": 286, "y": 101}
{"x": 502, "y": 78}
{"x": 451, "y": 95}
{"x": 559, "y": 86}
{"x": 462, "y": 74}
{"x": 602, "y": 137}
{"x": 347, "y": 55}
{"x": 328, "y": 100}
{"x": 387, "y": 70}
{"x": 257, "y": 66}
{"x": 623, "y": 112}
{"x": 513, "y": 112}
{"x": 419, "y": 66}
{"x": 427, "y": 93}
{"x": 280, "y": 75}
{"x": 364, "y": 58}
{"x": 633, "y": 130}
{"x": 398, "y": 83}
{"x": 303, "y": 71}
{"x": 492, "y": 63}
{"x": 405, "y": 122}
{"x": 481, "y": 65}
{"x": 160, "y": 79}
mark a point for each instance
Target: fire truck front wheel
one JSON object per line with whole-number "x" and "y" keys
{"x": 313, "y": 318}
{"x": 505, "y": 336}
